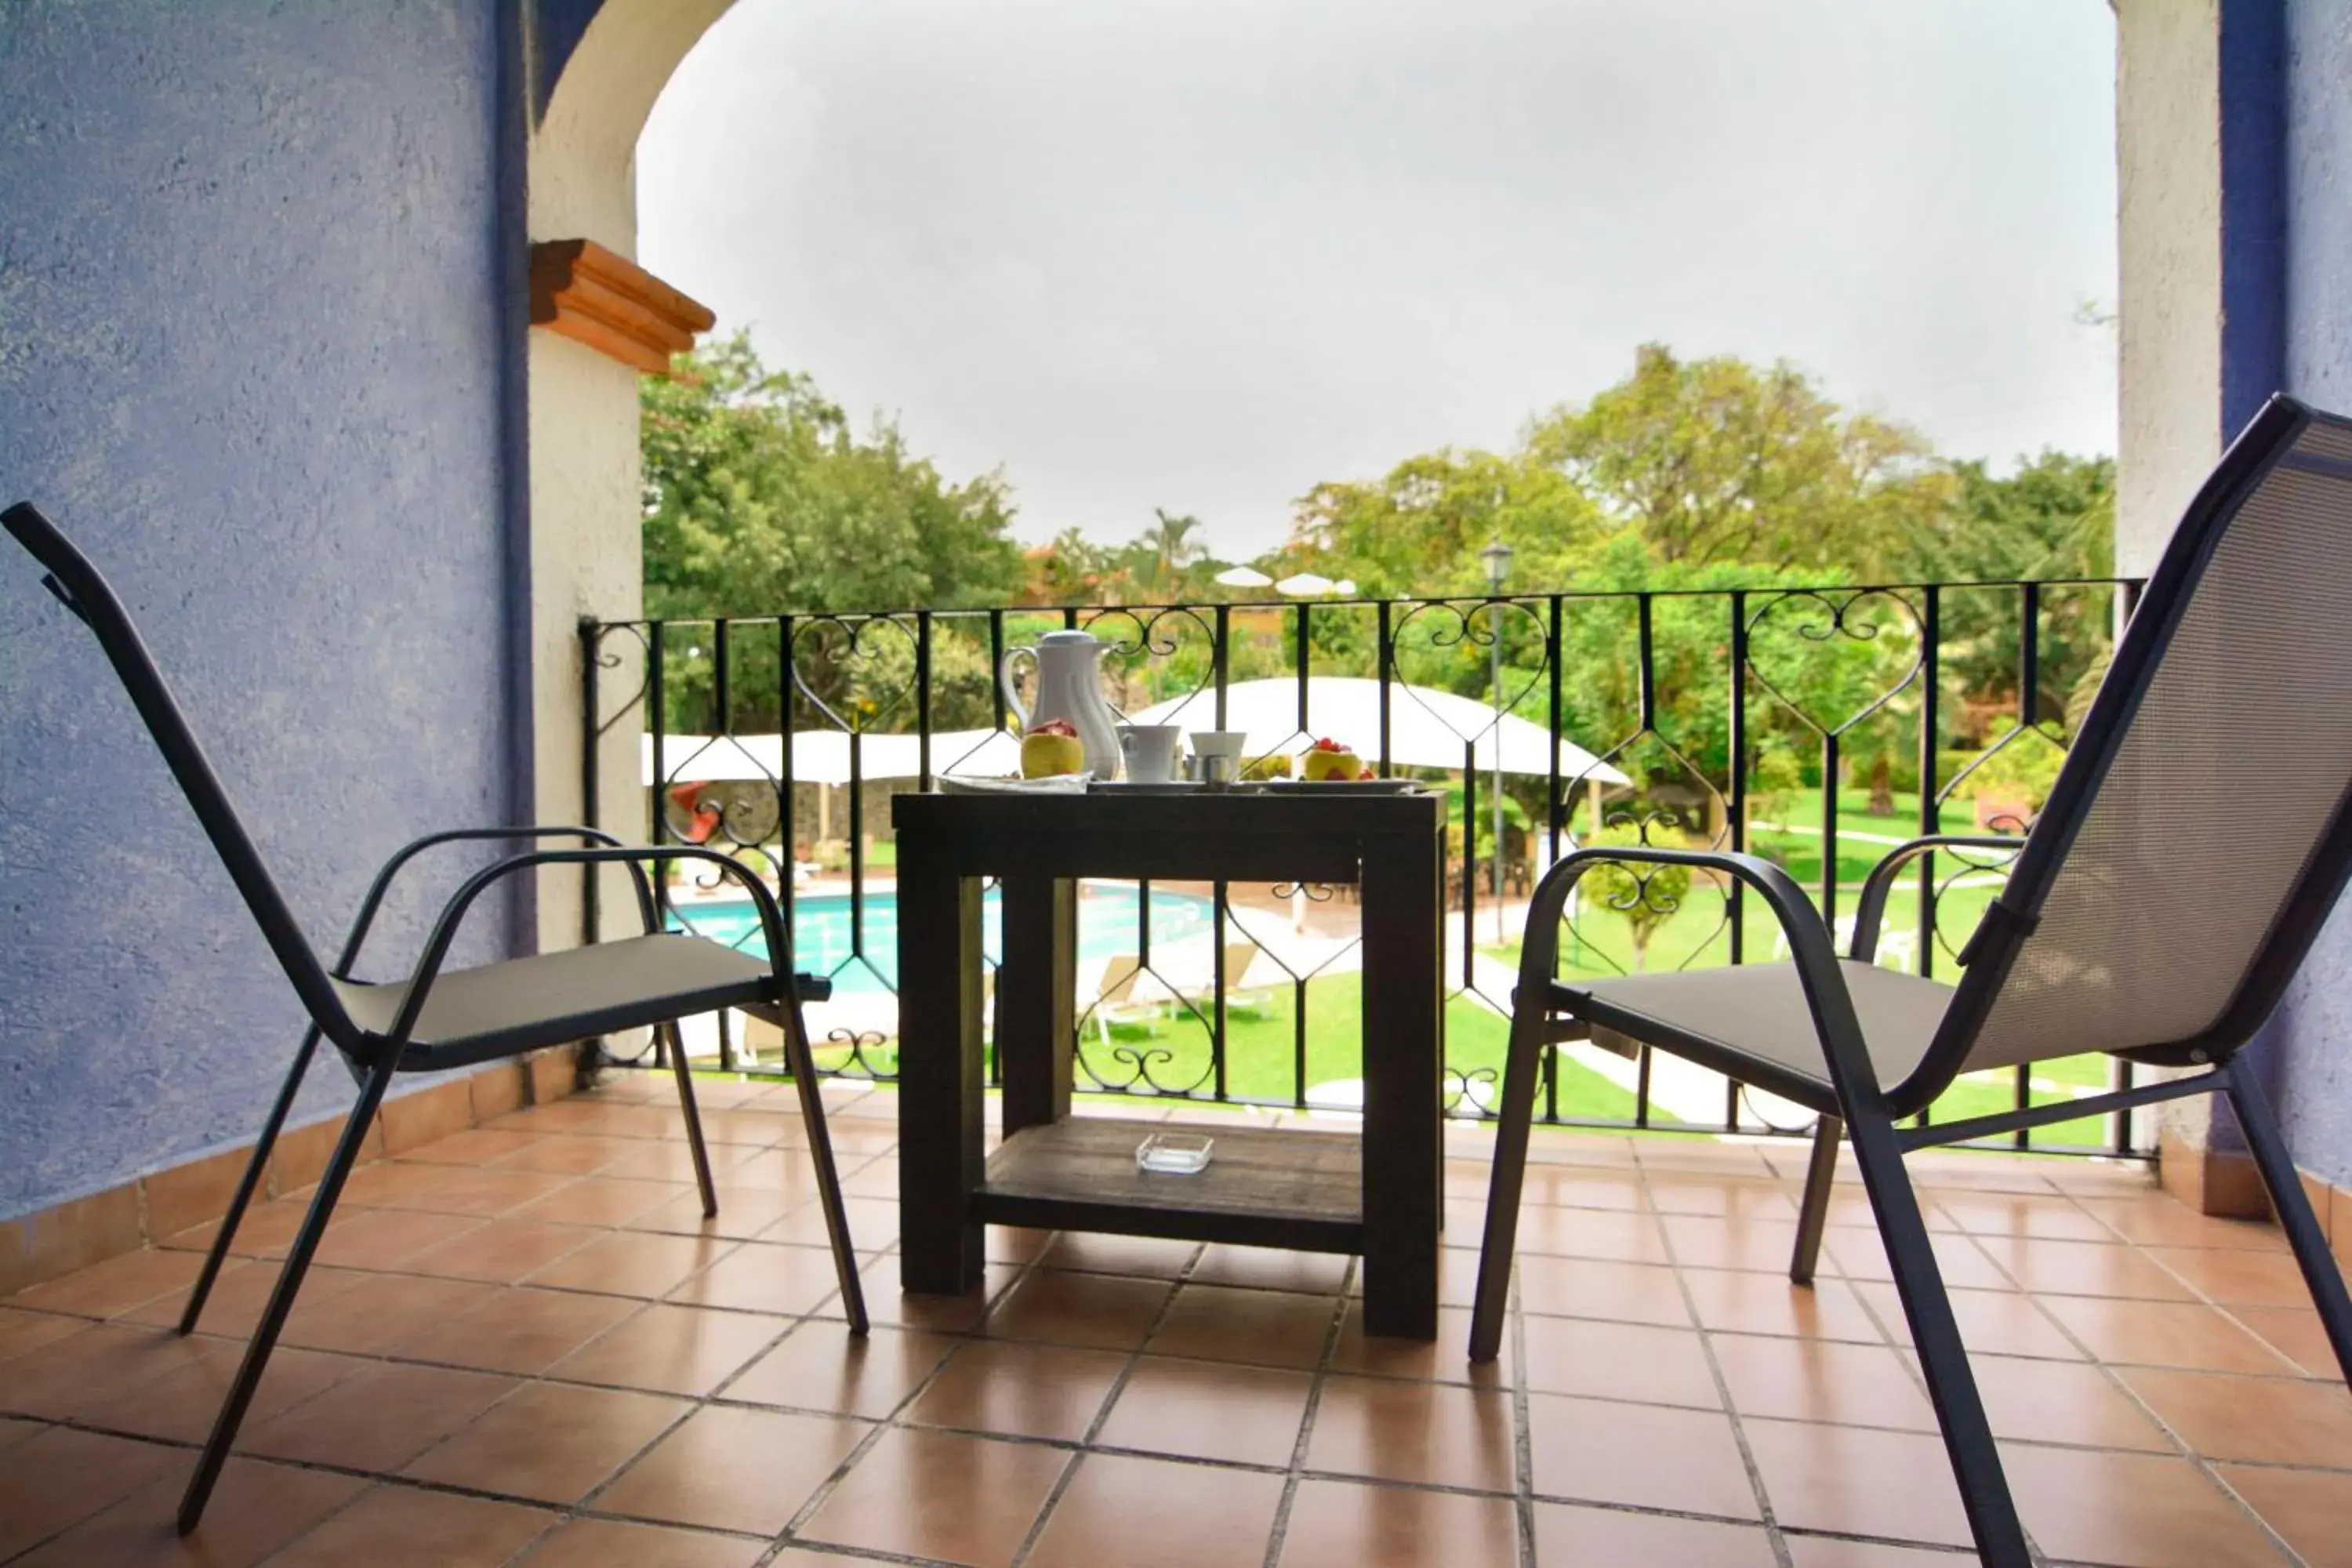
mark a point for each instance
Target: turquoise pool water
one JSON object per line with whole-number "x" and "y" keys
{"x": 821, "y": 930}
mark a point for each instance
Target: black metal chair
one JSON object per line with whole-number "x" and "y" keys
{"x": 2198, "y": 834}
{"x": 436, "y": 1020}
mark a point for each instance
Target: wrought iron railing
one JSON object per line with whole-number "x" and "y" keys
{"x": 1816, "y": 725}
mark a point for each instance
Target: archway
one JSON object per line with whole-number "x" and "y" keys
{"x": 599, "y": 82}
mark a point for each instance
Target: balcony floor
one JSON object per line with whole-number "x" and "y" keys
{"x": 523, "y": 1343}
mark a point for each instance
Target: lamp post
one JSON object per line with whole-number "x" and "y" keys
{"x": 1498, "y": 559}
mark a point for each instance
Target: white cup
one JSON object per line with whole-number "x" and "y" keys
{"x": 1150, "y": 751}
{"x": 1217, "y": 754}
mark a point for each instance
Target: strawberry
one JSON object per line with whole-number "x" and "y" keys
{"x": 1054, "y": 727}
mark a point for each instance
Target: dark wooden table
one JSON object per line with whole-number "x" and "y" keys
{"x": 1377, "y": 1194}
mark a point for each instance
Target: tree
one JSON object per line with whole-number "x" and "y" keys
{"x": 2053, "y": 519}
{"x": 760, "y": 499}
{"x": 1646, "y": 894}
{"x": 1720, "y": 461}
{"x": 1069, "y": 571}
{"x": 1172, "y": 551}
{"x": 1417, "y": 531}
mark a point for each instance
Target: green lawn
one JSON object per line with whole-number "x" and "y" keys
{"x": 1262, "y": 1043}
{"x": 1599, "y": 942}
{"x": 1261, "y": 1047}
{"x": 1262, "y": 1034}
{"x": 1859, "y": 834}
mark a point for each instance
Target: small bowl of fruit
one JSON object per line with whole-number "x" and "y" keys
{"x": 1328, "y": 762}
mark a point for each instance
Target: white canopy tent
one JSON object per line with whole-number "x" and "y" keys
{"x": 1427, "y": 728}
{"x": 822, "y": 756}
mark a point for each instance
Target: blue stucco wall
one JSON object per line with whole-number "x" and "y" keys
{"x": 2312, "y": 1037}
{"x": 255, "y": 353}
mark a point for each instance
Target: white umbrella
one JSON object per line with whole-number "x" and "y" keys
{"x": 1244, "y": 577}
{"x": 1427, "y": 728}
{"x": 1305, "y": 585}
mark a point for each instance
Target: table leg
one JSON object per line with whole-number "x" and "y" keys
{"x": 941, "y": 1081}
{"x": 1036, "y": 999}
{"x": 1404, "y": 1168}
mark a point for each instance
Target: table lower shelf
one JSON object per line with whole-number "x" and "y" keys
{"x": 1262, "y": 1187}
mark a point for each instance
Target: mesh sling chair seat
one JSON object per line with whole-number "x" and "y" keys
{"x": 2198, "y": 835}
{"x": 442, "y": 1018}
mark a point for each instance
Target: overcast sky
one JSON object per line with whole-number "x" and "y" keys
{"x": 1203, "y": 254}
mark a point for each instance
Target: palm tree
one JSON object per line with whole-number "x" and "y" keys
{"x": 1173, "y": 549}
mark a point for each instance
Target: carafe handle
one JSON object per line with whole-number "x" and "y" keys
{"x": 1011, "y": 691}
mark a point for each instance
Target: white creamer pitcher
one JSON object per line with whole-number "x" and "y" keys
{"x": 1069, "y": 686}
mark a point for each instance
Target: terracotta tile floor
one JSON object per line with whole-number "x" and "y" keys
{"x": 526, "y": 1345}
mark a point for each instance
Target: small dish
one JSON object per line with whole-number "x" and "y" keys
{"x": 1174, "y": 1153}
{"x": 1343, "y": 786}
{"x": 973, "y": 784}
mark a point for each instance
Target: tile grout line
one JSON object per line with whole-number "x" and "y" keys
{"x": 1523, "y": 1461}
{"x": 2182, "y": 1448}
{"x": 219, "y": 1343}
{"x": 790, "y": 1535}
{"x": 1764, "y": 1513}
{"x": 578, "y": 1507}
{"x": 1111, "y": 1397}
{"x": 1067, "y": 1444}
{"x": 802, "y": 1319}
{"x": 1278, "y": 1532}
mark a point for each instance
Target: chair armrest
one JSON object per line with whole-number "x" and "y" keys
{"x": 1869, "y": 913}
{"x": 373, "y": 902}
{"x": 453, "y": 915}
{"x": 1809, "y": 946}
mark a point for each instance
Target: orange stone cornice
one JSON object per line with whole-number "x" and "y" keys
{"x": 610, "y": 304}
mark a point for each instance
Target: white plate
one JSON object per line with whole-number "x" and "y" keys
{"x": 1157, "y": 786}
{"x": 1063, "y": 783}
{"x": 1344, "y": 786}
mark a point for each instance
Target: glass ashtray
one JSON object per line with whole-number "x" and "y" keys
{"x": 1174, "y": 1153}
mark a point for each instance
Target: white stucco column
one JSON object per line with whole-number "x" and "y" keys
{"x": 2169, "y": 243}
{"x": 587, "y": 493}
{"x": 2169, "y": 180}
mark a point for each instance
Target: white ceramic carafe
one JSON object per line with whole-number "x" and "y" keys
{"x": 1069, "y": 688}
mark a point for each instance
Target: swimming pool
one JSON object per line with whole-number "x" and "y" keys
{"x": 821, "y": 930}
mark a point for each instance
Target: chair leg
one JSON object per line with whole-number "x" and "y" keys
{"x": 1812, "y": 1215}
{"x": 2321, "y": 1272}
{"x": 1516, "y": 1117}
{"x": 1951, "y": 1386}
{"x": 281, "y": 1298}
{"x": 693, "y": 1123}
{"x": 249, "y": 1184}
{"x": 802, "y": 1063}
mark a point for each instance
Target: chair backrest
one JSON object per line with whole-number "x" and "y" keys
{"x": 84, "y": 590}
{"x": 2199, "y": 833}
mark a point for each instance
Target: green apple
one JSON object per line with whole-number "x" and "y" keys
{"x": 1052, "y": 749}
